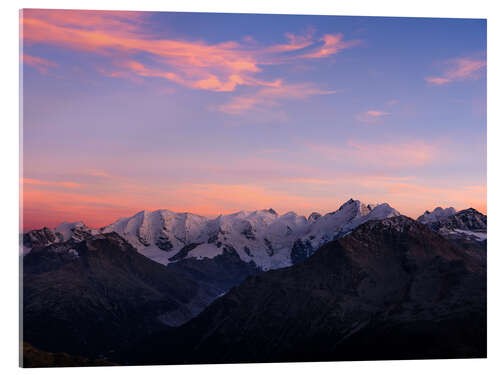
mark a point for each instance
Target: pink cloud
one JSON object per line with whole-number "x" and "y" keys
{"x": 295, "y": 42}
{"x": 393, "y": 155}
{"x": 371, "y": 116}
{"x": 217, "y": 67}
{"x": 32, "y": 181}
{"x": 437, "y": 80}
{"x": 307, "y": 46}
{"x": 332, "y": 44}
{"x": 458, "y": 70}
{"x": 42, "y": 65}
{"x": 351, "y": 179}
{"x": 376, "y": 113}
{"x": 98, "y": 173}
{"x": 270, "y": 96}
{"x": 214, "y": 67}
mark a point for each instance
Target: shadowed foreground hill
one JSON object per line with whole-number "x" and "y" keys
{"x": 392, "y": 289}
{"x": 33, "y": 357}
{"x": 93, "y": 297}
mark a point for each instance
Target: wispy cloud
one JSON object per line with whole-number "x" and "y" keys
{"x": 98, "y": 173}
{"x": 458, "y": 70}
{"x": 271, "y": 96}
{"x": 307, "y": 46}
{"x": 371, "y": 116}
{"x": 332, "y": 44}
{"x": 295, "y": 42}
{"x": 374, "y": 113}
{"x": 42, "y": 65}
{"x": 352, "y": 179}
{"x": 397, "y": 154}
{"x": 32, "y": 181}
{"x": 120, "y": 36}
{"x": 216, "y": 67}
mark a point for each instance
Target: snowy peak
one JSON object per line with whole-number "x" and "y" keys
{"x": 350, "y": 215}
{"x": 67, "y": 229}
{"x": 314, "y": 216}
{"x": 382, "y": 211}
{"x": 469, "y": 223}
{"x": 349, "y": 204}
{"x": 468, "y": 219}
{"x": 63, "y": 232}
{"x": 264, "y": 237}
{"x": 160, "y": 231}
{"x": 355, "y": 207}
{"x": 437, "y": 214}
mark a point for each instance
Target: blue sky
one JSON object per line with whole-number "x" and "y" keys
{"x": 213, "y": 113}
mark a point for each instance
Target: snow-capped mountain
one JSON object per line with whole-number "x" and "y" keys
{"x": 323, "y": 229}
{"x": 437, "y": 214}
{"x": 469, "y": 223}
{"x": 160, "y": 234}
{"x": 62, "y": 233}
{"x": 263, "y": 237}
{"x": 268, "y": 239}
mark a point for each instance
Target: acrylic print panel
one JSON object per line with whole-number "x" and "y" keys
{"x": 187, "y": 182}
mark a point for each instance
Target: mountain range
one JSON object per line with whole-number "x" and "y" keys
{"x": 105, "y": 293}
{"x": 391, "y": 289}
{"x": 269, "y": 240}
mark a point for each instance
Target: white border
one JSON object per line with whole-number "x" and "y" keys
{"x": 10, "y": 172}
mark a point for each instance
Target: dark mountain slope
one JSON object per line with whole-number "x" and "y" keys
{"x": 92, "y": 297}
{"x": 465, "y": 228}
{"x": 469, "y": 219}
{"x": 392, "y": 289}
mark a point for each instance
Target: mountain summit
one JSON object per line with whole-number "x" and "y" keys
{"x": 468, "y": 224}
{"x": 437, "y": 214}
{"x": 264, "y": 237}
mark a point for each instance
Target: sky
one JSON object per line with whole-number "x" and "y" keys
{"x": 216, "y": 113}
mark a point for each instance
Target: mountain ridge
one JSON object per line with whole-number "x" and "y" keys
{"x": 468, "y": 224}
{"x": 264, "y": 237}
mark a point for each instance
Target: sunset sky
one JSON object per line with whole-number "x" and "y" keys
{"x": 215, "y": 113}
